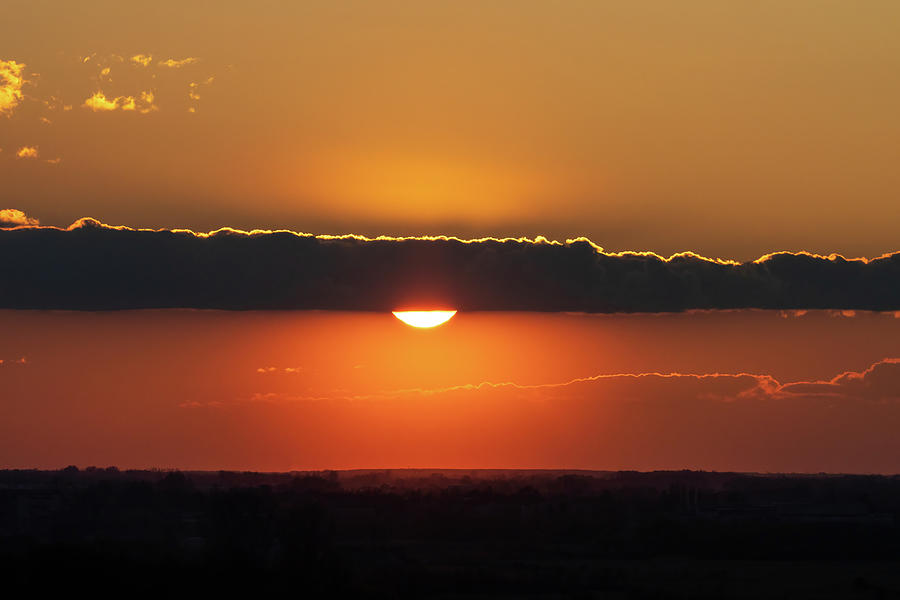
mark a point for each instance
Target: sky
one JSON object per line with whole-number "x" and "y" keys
{"x": 669, "y": 230}
{"x": 763, "y": 391}
{"x": 730, "y": 129}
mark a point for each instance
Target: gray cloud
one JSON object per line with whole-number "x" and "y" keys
{"x": 92, "y": 266}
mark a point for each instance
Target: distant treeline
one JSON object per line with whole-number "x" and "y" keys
{"x": 433, "y": 533}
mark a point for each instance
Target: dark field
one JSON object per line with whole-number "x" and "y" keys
{"x": 453, "y": 534}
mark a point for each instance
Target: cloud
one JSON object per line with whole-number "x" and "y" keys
{"x": 100, "y": 103}
{"x": 11, "y": 82}
{"x": 735, "y": 385}
{"x": 143, "y": 104}
{"x": 880, "y": 382}
{"x": 141, "y": 96}
{"x": 146, "y": 103}
{"x": 94, "y": 266}
{"x": 142, "y": 59}
{"x": 177, "y": 64}
{"x": 194, "y": 87}
{"x": 27, "y": 152}
{"x": 55, "y": 103}
{"x": 11, "y": 217}
{"x": 718, "y": 421}
{"x": 749, "y": 381}
{"x": 194, "y": 90}
{"x": 276, "y": 370}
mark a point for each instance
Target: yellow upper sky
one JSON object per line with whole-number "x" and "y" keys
{"x": 729, "y": 128}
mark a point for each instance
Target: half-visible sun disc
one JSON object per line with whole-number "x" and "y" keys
{"x": 424, "y": 318}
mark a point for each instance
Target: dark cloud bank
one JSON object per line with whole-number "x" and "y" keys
{"x": 90, "y": 266}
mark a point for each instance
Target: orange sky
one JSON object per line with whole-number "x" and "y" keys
{"x": 730, "y": 128}
{"x": 312, "y": 390}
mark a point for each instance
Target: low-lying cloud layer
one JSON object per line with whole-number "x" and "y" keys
{"x": 91, "y": 266}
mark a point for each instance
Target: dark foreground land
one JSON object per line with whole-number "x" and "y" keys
{"x": 452, "y": 534}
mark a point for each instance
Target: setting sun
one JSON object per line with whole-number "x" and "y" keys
{"x": 424, "y": 318}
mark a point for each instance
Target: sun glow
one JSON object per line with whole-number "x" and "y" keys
{"x": 424, "y": 318}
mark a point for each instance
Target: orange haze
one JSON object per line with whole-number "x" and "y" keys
{"x": 276, "y": 391}
{"x": 730, "y": 128}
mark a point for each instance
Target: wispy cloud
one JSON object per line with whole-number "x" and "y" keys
{"x": 278, "y": 370}
{"x": 879, "y": 382}
{"x": 143, "y": 100}
{"x": 194, "y": 91}
{"x": 144, "y": 103}
{"x": 55, "y": 103}
{"x": 142, "y": 59}
{"x": 171, "y": 63}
